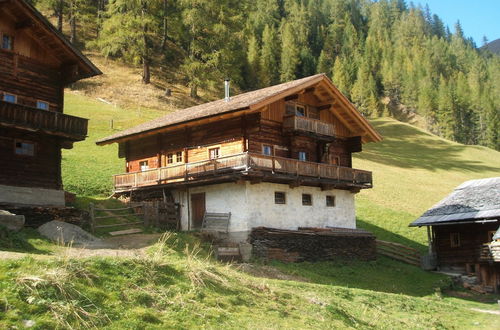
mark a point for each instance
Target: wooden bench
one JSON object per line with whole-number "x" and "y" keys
{"x": 216, "y": 222}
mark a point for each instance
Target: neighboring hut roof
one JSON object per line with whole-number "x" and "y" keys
{"x": 497, "y": 235}
{"x": 53, "y": 40}
{"x": 249, "y": 100}
{"x": 472, "y": 200}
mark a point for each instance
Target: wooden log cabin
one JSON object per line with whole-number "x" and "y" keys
{"x": 36, "y": 63}
{"x": 461, "y": 230}
{"x": 277, "y": 157}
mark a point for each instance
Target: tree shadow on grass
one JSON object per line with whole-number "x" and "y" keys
{"x": 406, "y": 146}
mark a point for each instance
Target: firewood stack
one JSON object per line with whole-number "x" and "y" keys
{"x": 37, "y": 216}
{"x": 313, "y": 244}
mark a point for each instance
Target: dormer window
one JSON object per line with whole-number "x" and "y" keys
{"x": 7, "y": 42}
{"x": 42, "y": 105}
{"x": 9, "y": 98}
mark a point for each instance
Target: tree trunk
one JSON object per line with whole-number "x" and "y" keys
{"x": 72, "y": 37}
{"x": 194, "y": 91}
{"x": 60, "y": 10}
{"x": 164, "y": 38}
{"x": 146, "y": 74}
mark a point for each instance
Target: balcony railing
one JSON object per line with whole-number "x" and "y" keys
{"x": 298, "y": 123}
{"x": 244, "y": 162}
{"x": 74, "y": 128}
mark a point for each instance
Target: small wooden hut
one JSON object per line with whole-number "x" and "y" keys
{"x": 464, "y": 229}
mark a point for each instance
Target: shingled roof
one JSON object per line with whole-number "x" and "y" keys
{"x": 471, "y": 201}
{"x": 239, "y": 102}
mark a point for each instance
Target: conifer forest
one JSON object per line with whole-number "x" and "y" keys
{"x": 389, "y": 57}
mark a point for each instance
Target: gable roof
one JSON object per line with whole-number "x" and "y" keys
{"x": 471, "y": 201}
{"x": 250, "y": 101}
{"x": 52, "y": 40}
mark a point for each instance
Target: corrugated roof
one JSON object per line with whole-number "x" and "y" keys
{"x": 236, "y": 103}
{"x": 472, "y": 200}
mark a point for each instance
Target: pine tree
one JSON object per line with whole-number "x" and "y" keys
{"x": 290, "y": 53}
{"x": 253, "y": 59}
{"x": 269, "y": 59}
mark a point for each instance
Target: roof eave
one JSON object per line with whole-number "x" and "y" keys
{"x": 92, "y": 69}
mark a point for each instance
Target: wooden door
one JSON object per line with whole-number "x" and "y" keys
{"x": 198, "y": 209}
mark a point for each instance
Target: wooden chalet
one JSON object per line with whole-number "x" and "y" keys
{"x": 300, "y": 134}
{"x": 463, "y": 230}
{"x": 36, "y": 63}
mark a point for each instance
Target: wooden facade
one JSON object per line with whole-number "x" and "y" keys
{"x": 36, "y": 63}
{"x": 462, "y": 246}
{"x": 296, "y": 139}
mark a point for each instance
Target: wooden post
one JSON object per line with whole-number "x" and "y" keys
{"x": 92, "y": 217}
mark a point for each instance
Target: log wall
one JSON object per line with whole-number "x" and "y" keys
{"x": 472, "y": 237}
{"x": 43, "y": 170}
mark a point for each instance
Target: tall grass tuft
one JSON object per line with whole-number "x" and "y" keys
{"x": 55, "y": 290}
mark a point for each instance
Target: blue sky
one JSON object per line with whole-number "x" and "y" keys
{"x": 477, "y": 17}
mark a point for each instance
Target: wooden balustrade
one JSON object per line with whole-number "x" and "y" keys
{"x": 242, "y": 162}
{"x": 298, "y": 123}
{"x": 49, "y": 121}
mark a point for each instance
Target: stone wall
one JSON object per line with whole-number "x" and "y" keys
{"x": 313, "y": 244}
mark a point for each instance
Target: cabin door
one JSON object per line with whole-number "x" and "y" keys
{"x": 198, "y": 209}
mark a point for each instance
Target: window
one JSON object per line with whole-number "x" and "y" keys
{"x": 307, "y": 199}
{"x": 302, "y": 156}
{"x": 170, "y": 158}
{"x": 24, "y": 148}
{"x": 290, "y": 109}
{"x": 10, "y": 98}
{"x": 42, "y": 105}
{"x": 144, "y": 165}
{"x": 7, "y": 42}
{"x": 267, "y": 150}
{"x": 491, "y": 233}
{"x": 330, "y": 201}
{"x": 455, "y": 239}
{"x": 279, "y": 197}
{"x": 178, "y": 156}
{"x": 300, "y": 110}
{"x": 214, "y": 153}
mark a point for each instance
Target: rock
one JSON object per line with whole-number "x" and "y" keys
{"x": 65, "y": 233}
{"x": 11, "y": 221}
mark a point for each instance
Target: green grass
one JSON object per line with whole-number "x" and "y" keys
{"x": 87, "y": 168}
{"x": 413, "y": 170}
{"x": 177, "y": 286}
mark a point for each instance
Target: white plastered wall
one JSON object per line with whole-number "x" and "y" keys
{"x": 253, "y": 205}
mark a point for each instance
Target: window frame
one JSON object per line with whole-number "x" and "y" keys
{"x": 277, "y": 200}
{"x": 330, "y": 201}
{"x": 11, "y": 43}
{"x": 16, "y": 141}
{"x": 42, "y": 102}
{"x": 170, "y": 158}
{"x": 455, "y": 240}
{"x": 302, "y": 153}
{"x": 218, "y": 154}
{"x": 4, "y": 94}
{"x": 179, "y": 157}
{"x": 271, "y": 150}
{"x": 141, "y": 162}
{"x": 306, "y": 202}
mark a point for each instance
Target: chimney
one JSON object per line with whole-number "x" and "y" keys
{"x": 227, "y": 98}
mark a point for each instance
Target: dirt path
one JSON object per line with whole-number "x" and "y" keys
{"x": 118, "y": 246}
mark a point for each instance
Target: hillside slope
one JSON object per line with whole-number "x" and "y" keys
{"x": 412, "y": 169}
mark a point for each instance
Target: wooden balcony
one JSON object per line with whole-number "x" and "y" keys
{"x": 246, "y": 164}
{"x": 308, "y": 125}
{"x": 50, "y": 122}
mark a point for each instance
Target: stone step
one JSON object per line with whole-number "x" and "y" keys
{"x": 126, "y": 232}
